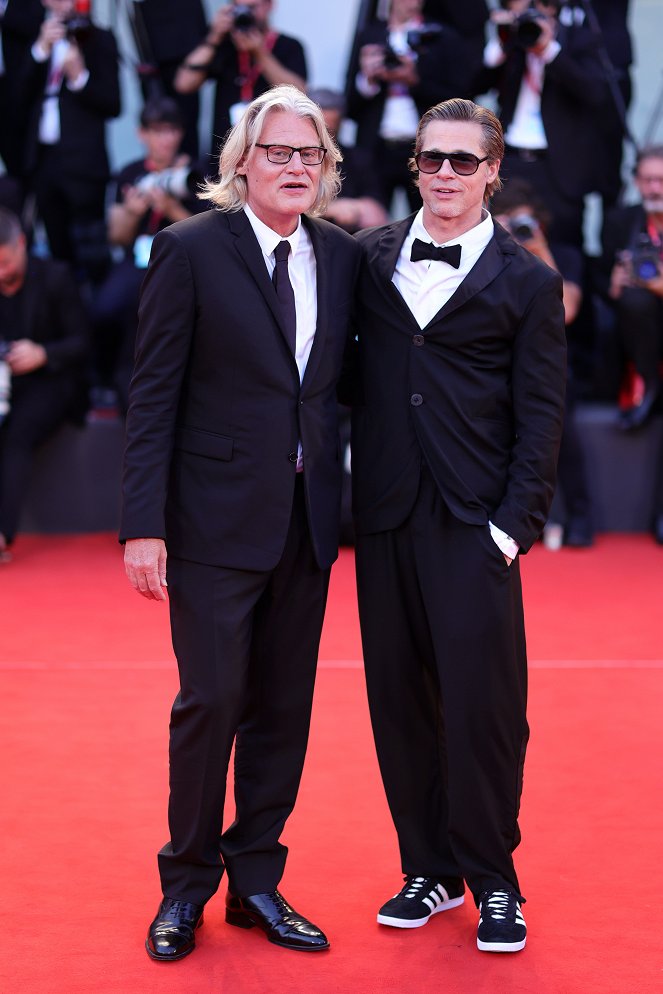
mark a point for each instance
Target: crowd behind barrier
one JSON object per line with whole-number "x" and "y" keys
{"x": 557, "y": 73}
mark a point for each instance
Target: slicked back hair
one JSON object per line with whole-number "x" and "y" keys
{"x": 466, "y": 111}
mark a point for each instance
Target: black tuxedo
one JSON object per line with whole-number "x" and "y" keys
{"x": 454, "y": 425}
{"x": 216, "y": 412}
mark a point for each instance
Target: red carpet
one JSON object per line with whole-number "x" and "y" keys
{"x": 87, "y": 679}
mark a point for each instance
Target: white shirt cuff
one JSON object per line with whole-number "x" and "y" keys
{"x": 364, "y": 87}
{"x": 80, "y": 81}
{"x": 504, "y": 542}
{"x": 493, "y": 54}
{"x": 550, "y": 52}
{"x": 39, "y": 54}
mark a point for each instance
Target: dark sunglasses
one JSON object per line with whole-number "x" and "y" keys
{"x": 462, "y": 163}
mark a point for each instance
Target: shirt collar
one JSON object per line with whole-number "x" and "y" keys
{"x": 471, "y": 241}
{"x": 268, "y": 239}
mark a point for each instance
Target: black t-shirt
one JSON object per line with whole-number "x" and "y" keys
{"x": 225, "y": 70}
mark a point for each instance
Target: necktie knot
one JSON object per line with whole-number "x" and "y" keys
{"x": 282, "y": 250}
{"x": 441, "y": 253}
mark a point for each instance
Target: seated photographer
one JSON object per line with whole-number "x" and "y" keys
{"x": 633, "y": 256}
{"x": 69, "y": 88}
{"x": 245, "y": 57}
{"x": 521, "y": 212}
{"x": 151, "y": 193}
{"x": 358, "y": 205}
{"x": 405, "y": 66}
{"x": 551, "y": 93}
{"x": 43, "y": 348}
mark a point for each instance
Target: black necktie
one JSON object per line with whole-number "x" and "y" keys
{"x": 285, "y": 293}
{"x": 426, "y": 250}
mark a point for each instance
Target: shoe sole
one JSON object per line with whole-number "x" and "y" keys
{"x": 418, "y": 922}
{"x": 501, "y": 947}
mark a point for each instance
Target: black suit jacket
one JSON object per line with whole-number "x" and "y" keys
{"x": 83, "y": 113}
{"x": 478, "y": 394}
{"x": 573, "y": 98}
{"x": 216, "y": 407}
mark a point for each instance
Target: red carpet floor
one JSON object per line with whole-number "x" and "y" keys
{"x": 87, "y": 678}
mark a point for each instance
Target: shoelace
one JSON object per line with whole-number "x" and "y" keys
{"x": 413, "y": 886}
{"x": 180, "y": 909}
{"x": 501, "y": 905}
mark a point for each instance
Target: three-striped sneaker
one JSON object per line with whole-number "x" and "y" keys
{"x": 419, "y": 899}
{"x": 502, "y": 928}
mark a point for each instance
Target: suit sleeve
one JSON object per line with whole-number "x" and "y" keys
{"x": 101, "y": 93}
{"x": 166, "y": 318}
{"x": 538, "y": 379}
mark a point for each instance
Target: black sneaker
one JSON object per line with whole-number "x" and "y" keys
{"x": 502, "y": 928}
{"x": 420, "y": 898}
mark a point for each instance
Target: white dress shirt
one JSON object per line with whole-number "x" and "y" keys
{"x": 427, "y": 285}
{"x": 302, "y": 270}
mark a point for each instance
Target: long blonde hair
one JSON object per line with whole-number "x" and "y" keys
{"x": 229, "y": 192}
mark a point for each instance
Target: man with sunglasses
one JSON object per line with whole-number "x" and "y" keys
{"x": 232, "y": 471}
{"x": 456, "y": 424}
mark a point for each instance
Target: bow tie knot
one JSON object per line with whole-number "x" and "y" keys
{"x": 442, "y": 253}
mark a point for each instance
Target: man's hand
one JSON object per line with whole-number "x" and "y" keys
{"x": 52, "y": 30}
{"x": 145, "y": 565}
{"x": 74, "y": 63}
{"x": 25, "y": 356}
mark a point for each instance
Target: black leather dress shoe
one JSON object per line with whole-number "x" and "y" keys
{"x": 281, "y": 923}
{"x": 172, "y": 933}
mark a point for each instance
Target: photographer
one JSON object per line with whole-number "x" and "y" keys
{"x": 405, "y": 66}
{"x": 69, "y": 89}
{"x": 633, "y": 254}
{"x": 152, "y": 193}
{"x": 521, "y": 212}
{"x": 551, "y": 93}
{"x": 43, "y": 341}
{"x": 245, "y": 57}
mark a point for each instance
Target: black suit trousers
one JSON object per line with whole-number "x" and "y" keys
{"x": 246, "y": 644}
{"x": 444, "y": 649}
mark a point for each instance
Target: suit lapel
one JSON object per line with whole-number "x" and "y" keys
{"x": 321, "y": 251}
{"x": 385, "y": 257}
{"x": 250, "y": 251}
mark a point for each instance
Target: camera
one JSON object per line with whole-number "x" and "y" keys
{"x": 523, "y": 226}
{"x": 645, "y": 259}
{"x": 180, "y": 182}
{"x": 526, "y": 29}
{"x": 243, "y": 18}
{"x": 417, "y": 39}
{"x": 79, "y": 25}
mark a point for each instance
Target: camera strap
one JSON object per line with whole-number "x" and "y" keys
{"x": 249, "y": 72}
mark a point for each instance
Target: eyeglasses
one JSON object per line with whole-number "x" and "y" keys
{"x": 310, "y": 155}
{"x": 462, "y": 163}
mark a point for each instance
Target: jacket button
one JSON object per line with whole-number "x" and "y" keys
{"x": 418, "y": 340}
{"x": 416, "y": 400}
{"x": 292, "y": 457}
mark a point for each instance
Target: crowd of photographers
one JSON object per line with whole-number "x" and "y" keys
{"x": 558, "y": 74}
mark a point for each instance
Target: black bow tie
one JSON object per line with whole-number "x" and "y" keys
{"x": 426, "y": 250}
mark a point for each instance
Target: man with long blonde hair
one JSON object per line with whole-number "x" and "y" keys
{"x": 232, "y": 471}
